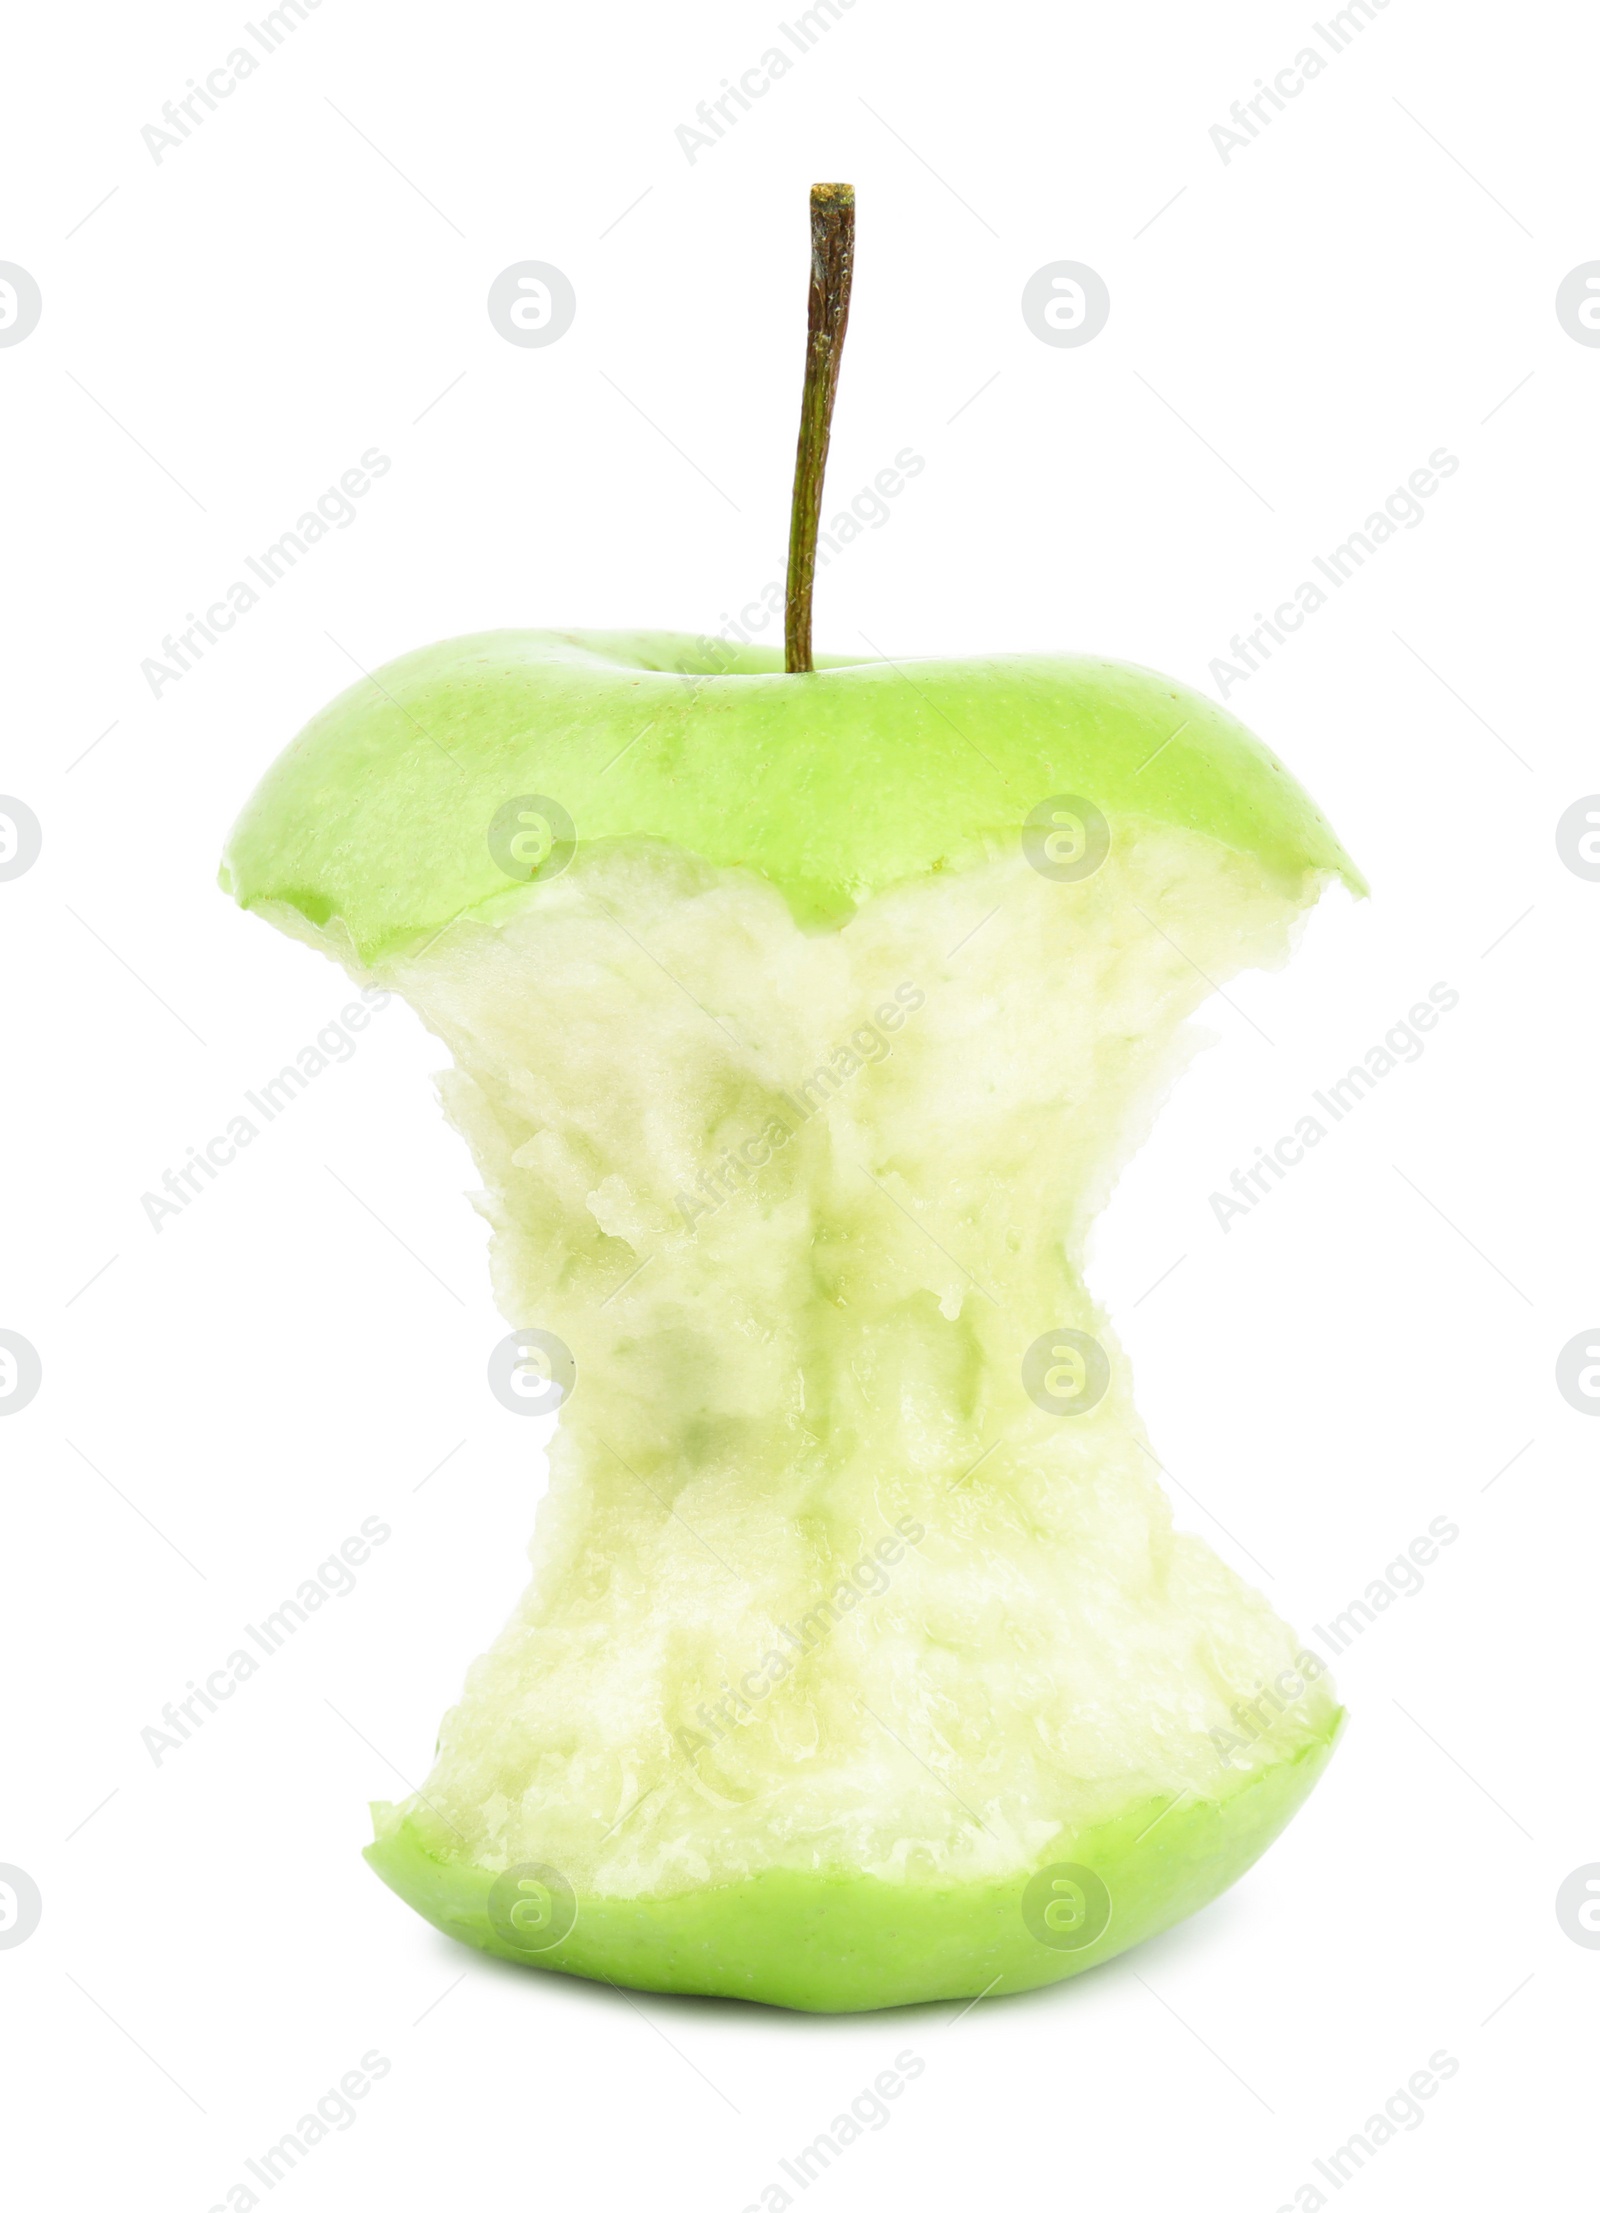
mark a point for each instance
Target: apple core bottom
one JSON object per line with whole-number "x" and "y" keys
{"x": 840, "y": 1942}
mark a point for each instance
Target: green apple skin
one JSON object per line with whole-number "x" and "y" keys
{"x": 851, "y": 1943}
{"x": 833, "y": 785}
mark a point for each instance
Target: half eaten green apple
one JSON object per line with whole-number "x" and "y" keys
{"x": 802, "y": 1019}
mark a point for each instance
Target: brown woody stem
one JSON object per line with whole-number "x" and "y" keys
{"x": 833, "y": 242}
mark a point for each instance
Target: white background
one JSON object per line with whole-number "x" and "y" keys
{"x": 1292, "y": 333}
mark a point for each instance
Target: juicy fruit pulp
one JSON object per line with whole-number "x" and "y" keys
{"x": 818, "y": 1587}
{"x": 849, "y": 1675}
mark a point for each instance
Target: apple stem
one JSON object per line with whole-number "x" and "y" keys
{"x": 833, "y": 242}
